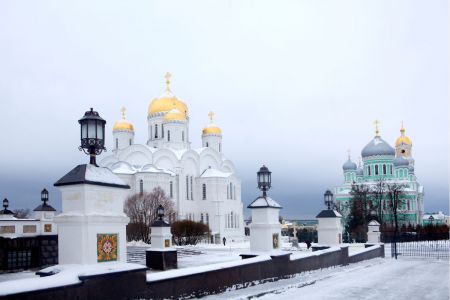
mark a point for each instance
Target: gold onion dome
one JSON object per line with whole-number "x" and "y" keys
{"x": 123, "y": 124}
{"x": 403, "y": 139}
{"x": 174, "y": 115}
{"x": 211, "y": 128}
{"x": 167, "y": 101}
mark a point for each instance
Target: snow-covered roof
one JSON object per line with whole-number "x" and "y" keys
{"x": 91, "y": 174}
{"x": 264, "y": 201}
{"x": 329, "y": 213}
{"x": 152, "y": 169}
{"x": 210, "y": 172}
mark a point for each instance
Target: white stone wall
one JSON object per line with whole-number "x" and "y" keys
{"x": 329, "y": 231}
{"x": 212, "y": 141}
{"x": 265, "y": 223}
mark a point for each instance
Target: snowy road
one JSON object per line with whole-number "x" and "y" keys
{"x": 375, "y": 279}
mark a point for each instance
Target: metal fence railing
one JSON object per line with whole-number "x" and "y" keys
{"x": 439, "y": 249}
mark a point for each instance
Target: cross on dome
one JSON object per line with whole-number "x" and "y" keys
{"x": 349, "y": 154}
{"x": 168, "y": 76}
{"x": 123, "y": 110}
{"x": 211, "y": 116}
{"x": 377, "y": 129}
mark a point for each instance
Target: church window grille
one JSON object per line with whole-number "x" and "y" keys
{"x": 204, "y": 191}
{"x": 384, "y": 169}
{"x": 141, "y": 186}
{"x": 376, "y": 169}
{"x": 192, "y": 190}
{"x": 168, "y": 135}
{"x": 156, "y": 131}
{"x": 207, "y": 219}
{"x": 187, "y": 187}
{"x": 171, "y": 189}
{"x": 117, "y": 143}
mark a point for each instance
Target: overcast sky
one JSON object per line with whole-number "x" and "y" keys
{"x": 293, "y": 84}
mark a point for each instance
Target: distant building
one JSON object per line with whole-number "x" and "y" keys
{"x": 380, "y": 161}
{"x": 438, "y": 218}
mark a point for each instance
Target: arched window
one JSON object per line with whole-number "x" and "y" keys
{"x": 207, "y": 144}
{"x": 231, "y": 190}
{"x": 232, "y": 220}
{"x": 207, "y": 219}
{"x": 201, "y": 218}
{"x": 376, "y": 169}
{"x": 162, "y": 130}
{"x": 130, "y": 142}
{"x": 187, "y": 187}
{"x": 117, "y": 143}
{"x": 204, "y": 191}
{"x": 182, "y": 136}
{"x": 156, "y": 131}
{"x": 220, "y": 147}
{"x": 390, "y": 167}
{"x": 192, "y": 189}
{"x": 228, "y": 192}
{"x": 369, "y": 171}
{"x": 384, "y": 170}
{"x": 168, "y": 135}
{"x": 171, "y": 189}
{"x": 141, "y": 186}
{"x": 234, "y": 192}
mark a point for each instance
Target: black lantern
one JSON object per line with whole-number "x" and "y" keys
{"x": 5, "y": 203}
{"x": 92, "y": 134}
{"x": 264, "y": 179}
{"x": 44, "y": 196}
{"x": 160, "y": 212}
{"x": 328, "y": 198}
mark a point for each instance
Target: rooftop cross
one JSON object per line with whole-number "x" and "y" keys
{"x": 349, "y": 152}
{"x": 377, "y": 130}
{"x": 167, "y": 76}
{"x": 123, "y": 110}
{"x": 211, "y": 115}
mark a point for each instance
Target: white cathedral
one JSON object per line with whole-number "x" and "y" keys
{"x": 202, "y": 182}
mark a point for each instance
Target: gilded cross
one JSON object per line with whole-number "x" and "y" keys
{"x": 348, "y": 152}
{"x": 211, "y": 115}
{"x": 167, "y": 77}
{"x": 123, "y": 110}
{"x": 377, "y": 130}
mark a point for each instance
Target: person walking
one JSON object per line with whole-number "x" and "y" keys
{"x": 224, "y": 240}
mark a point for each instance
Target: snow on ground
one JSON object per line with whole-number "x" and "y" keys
{"x": 372, "y": 279}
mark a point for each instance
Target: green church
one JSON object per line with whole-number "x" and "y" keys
{"x": 383, "y": 163}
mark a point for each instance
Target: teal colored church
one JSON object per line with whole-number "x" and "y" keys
{"x": 380, "y": 161}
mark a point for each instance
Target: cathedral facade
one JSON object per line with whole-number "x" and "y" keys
{"x": 201, "y": 181}
{"x": 383, "y": 163}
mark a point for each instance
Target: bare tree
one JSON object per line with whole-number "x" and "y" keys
{"x": 395, "y": 192}
{"x": 378, "y": 192}
{"x": 357, "y": 219}
{"x": 22, "y": 213}
{"x": 188, "y": 232}
{"x": 141, "y": 209}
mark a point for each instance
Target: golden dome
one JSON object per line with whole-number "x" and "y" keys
{"x": 123, "y": 125}
{"x": 211, "y": 128}
{"x": 167, "y": 101}
{"x": 174, "y": 115}
{"x": 403, "y": 139}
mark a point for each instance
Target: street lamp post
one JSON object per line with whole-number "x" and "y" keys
{"x": 92, "y": 135}
{"x": 44, "y": 196}
{"x": 328, "y": 199}
{"x": 264, "y": 179}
